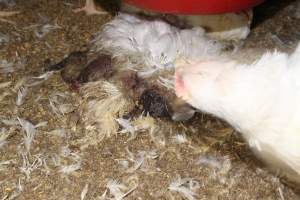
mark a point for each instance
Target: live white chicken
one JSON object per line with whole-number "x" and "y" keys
{"x": 260, "y": 100}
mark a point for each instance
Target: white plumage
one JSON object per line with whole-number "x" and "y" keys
{"x": 261, "y": 100}
{"x": 155, "y": 44}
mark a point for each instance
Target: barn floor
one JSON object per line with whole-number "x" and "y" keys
{"x": 203, "y": 158}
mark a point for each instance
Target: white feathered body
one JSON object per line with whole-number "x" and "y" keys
{"x": 261, "y": 100}
{"x": 155, "y": 44}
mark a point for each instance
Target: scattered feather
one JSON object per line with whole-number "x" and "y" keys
{"x": 140, "y": 161}
{"x": 157, "y": 136}
{"x": 10, "y": 122}
{"x": 217, "y": 163}
{"x": 33, "y": 81}
{"x": 127, "y": 127}
{"x": 180, "y": 138}
{"x": 56, "y": 160}
{"x": 21, "y": 94}
{"x": 148, "y": 72}
{"x": 58, "y": 104}
{"x": 210, "y": 161}
{"x": 44, "y": 76}
{"x": 41, "y": 124}
{"x": 117, "y": 190}
{"x": 27, "y": 167}
{"x": 68, "y": 169}
{"x": 137, "y": 162}
{"x": 148, "y": 123}
{"x": 281, "y": 193}
{"x": 144, "y": 123}
{"x": 186, "y": 187}
{"x": 103, "y": 196}
{"x": 220, "y": 166}
{"x": 123, "y": 163}
{"x": 43, "y": 30}
{"x": 30, "y": 131}
{"x": 84, "y": 192}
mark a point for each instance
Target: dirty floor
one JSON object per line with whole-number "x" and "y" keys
{"x": 43, "y": 155}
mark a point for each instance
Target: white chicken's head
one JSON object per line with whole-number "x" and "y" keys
{"x": 203, "y": 85}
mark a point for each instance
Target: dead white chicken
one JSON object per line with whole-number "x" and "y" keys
{"x": 261, "y": 100}
{"x": 90, "y": 8}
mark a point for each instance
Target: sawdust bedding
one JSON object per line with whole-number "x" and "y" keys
{"x": 64, "y": 137}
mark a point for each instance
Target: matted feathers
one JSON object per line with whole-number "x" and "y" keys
{"x": 103, "y": 102}
{"x": 152, "y": 44}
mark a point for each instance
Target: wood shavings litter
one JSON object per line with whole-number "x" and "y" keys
{"x": 5, "y": 84}
{"x": 6, "y": 67}
{"x": 4, "y": 134}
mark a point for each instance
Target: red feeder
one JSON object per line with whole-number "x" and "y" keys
{"x": 195, "y": 6}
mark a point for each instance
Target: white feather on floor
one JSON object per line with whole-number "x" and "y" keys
{"x": 154, "y": 45}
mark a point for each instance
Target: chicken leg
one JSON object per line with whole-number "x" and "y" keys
{"x": 90, "y": 9}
